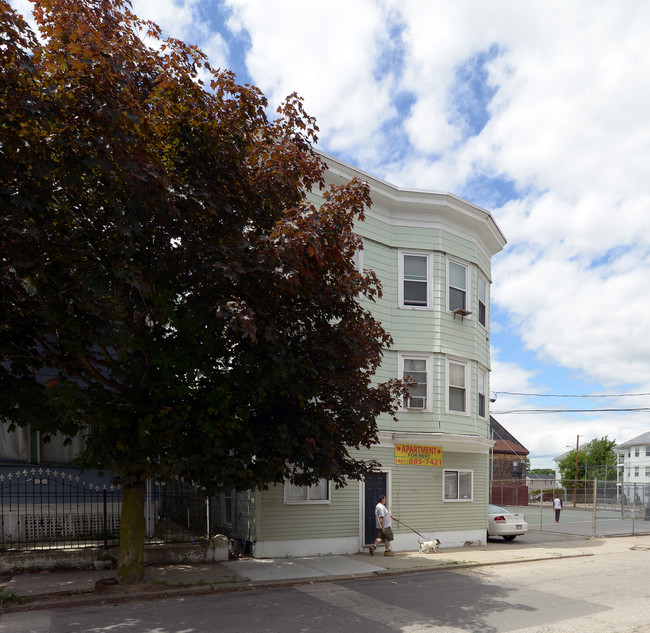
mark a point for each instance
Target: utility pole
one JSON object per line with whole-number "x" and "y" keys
{"x": 575, "y": 474}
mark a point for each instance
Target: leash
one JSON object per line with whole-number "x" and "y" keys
{"x": 410, "y": 528}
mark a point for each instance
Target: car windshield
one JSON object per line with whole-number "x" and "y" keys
{"x": 499, "y": 510}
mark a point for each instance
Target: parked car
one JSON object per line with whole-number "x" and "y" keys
{"x": 502, "y": 522}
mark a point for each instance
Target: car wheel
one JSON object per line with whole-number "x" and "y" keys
{"x": 510, "y": 537}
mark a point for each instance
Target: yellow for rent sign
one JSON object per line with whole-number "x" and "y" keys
{"x": 417, "y": 455}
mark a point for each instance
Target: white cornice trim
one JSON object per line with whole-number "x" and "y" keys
{"x": 419, "y": 208}
{"x": 447, "y": 441}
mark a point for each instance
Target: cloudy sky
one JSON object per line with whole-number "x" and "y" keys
{"x": 538, "y": 112}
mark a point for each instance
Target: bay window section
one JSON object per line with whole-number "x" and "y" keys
{"x": 415, "y": 280}
{"x": 457, "y": 390}
{"x": 457, "y": 286}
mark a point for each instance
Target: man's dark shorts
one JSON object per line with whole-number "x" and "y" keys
{"x": 387, "y": 536}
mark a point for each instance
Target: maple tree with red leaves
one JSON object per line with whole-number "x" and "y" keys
{"x": 195, "y": 313}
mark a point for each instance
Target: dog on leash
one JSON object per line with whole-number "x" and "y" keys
{"x": 426, "y": 546}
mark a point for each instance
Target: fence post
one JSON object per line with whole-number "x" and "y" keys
{"x": 105, "y": 520}
{"x": 593, "y": 513}
{"x": 207, "y": 518}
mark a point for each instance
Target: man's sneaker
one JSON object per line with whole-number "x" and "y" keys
{"x": 372, "y": 550}
{"x": 388, "y": 553}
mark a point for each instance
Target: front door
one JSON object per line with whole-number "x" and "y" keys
{"x": 374, "y": 488}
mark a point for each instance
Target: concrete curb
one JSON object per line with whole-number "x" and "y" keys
{"x": 121, "y": 595}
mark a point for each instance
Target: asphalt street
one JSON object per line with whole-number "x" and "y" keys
{"x": 601, "y": 593}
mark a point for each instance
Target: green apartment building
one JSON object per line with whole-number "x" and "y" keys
{"x": 432, "y": 253}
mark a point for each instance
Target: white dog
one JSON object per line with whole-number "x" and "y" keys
{"x": 425, "y": 546}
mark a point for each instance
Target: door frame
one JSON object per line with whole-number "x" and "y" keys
{"x": 362, "y": 502}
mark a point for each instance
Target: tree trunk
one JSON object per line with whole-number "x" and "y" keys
{"x": 130, "y": 568}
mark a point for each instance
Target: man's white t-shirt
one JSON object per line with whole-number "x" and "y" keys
{"x": 382, "y": 511}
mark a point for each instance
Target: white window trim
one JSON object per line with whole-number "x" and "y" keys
{"x": 468, "y": 294}
{"x": 485, "y": 325}
{"x": 400, "y": 284}
{"x": 465, "y": 364}
{"x": 429, "y": 365}
{"x": 299, "y": 502}
{"x": 357, "y": 260}
{"x": 458, "y": 472}
{"x": 482, "y": 372}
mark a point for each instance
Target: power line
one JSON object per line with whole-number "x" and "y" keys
{"x": 613, "y": 410}
{"x": 567, "y": 395}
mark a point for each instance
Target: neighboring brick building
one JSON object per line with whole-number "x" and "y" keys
{"x": 507, "y": 467}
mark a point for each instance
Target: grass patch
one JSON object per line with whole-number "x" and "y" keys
{"x": 8, "y": 598}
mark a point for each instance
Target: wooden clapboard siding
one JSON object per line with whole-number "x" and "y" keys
{"x": 281, "y": 521}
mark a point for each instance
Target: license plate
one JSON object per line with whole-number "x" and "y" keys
{"x": 517, "y": 527}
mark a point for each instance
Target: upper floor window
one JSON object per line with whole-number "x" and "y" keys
{"x": 415, "y": 280}
{"x": 317, "y": 493}
{"x": 457, "y": 286}
{"x": 417, "y": 367}
{"x": 482, "y": 301}
{"x": 647, "y": 451}
{"x": 357, "y": 260}
{"x": 482, "y": 382}
{"x": 457, "y": 390}
{"x": 636, "y": 452}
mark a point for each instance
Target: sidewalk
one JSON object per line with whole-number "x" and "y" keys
{"x": 60, "y": 588}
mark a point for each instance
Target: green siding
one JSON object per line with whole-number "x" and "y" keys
{"x": 281, "y": 521}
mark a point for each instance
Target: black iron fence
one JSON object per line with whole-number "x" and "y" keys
{"x": 43, "y": 508}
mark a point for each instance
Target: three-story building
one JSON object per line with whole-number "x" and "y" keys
{"x": 432, "y": 253}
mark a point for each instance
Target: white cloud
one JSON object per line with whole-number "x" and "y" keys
{"x": 564, "y": 120}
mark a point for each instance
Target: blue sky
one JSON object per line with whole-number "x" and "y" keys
{"x": 536, "y": 111}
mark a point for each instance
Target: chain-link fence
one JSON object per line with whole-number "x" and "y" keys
{"x": 590, "y": 508}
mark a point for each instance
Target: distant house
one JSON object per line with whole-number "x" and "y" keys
{"x": 507, "y": 467}
{"x": 508, "y": 454}
{"x": 559, "y": 458}
{"x": 539, "y": 481}
{"x": 633, "y": 460}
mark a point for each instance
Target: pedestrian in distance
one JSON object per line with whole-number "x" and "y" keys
{"x": 557, "y": 506}
{"x": 384, "y": 521}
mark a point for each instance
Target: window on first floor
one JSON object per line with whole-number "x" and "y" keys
{"x": 317, "y": 493}
{"x": 458, "y": 485}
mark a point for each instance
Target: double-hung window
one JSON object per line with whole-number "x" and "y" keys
{"x": 482, "y": 384}
{"x": 317, "y": 493}
{"x": 415, "y": 282}
{"x": 482, "y": 301}
{"x": 457, "y": 386}
{"x": 456, "y": 286}
{"x": 458, "y": 485}
{"x": 417, "y": 368}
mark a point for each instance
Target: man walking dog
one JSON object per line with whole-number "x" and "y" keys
{"x": 383, "y": 520}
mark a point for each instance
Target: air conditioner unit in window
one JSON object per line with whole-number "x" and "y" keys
{"x": 416, "y": 403}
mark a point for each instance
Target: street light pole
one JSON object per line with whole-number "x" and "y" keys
{"x": 575, "y": 474}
